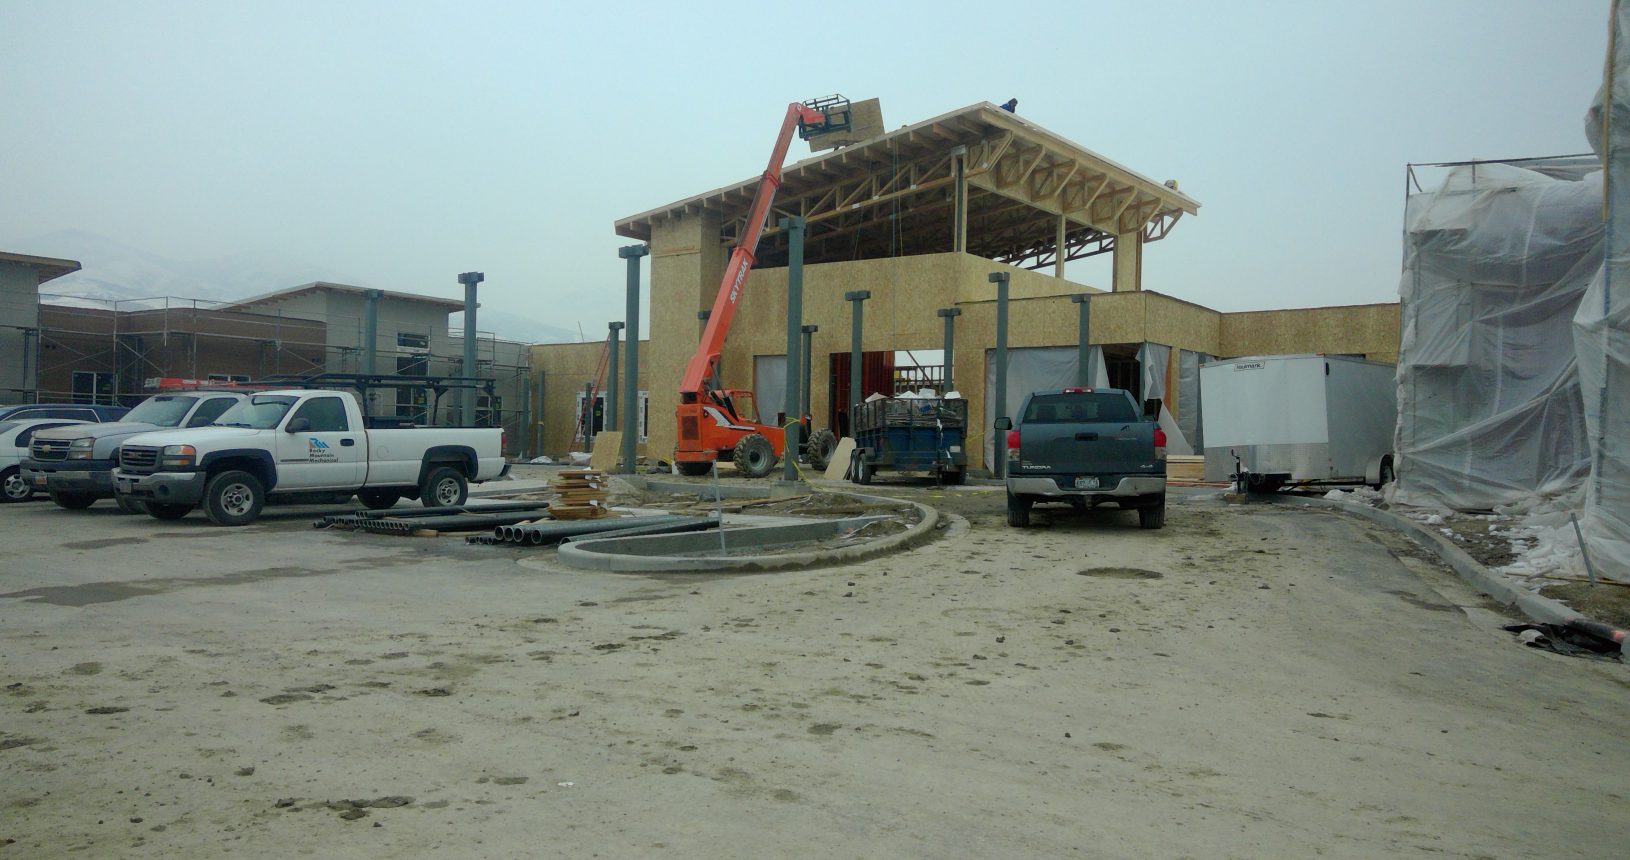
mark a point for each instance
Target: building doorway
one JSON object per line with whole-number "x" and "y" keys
{"x": 876, "y": 377}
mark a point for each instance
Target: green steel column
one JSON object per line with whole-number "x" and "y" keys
{"x": 611, "y": 376}
{"x": 949, "y": 315}
{"x": 467, "y": 399}
{"x": 631, "y": 368}
{"x": 794, "y": 228}
{"x": 855, "y": 298}
{"x": 1083, "y": 373}
{"x": 998, "y": 451}
{"x": 809, "y": 343}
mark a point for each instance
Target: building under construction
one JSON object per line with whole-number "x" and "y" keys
{"x": 917, "y": 219}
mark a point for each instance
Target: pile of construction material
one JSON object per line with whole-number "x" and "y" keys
{"x": 429, "y": 522}
{"x": 583, "y": 495}
{"x": 549, "y": 533}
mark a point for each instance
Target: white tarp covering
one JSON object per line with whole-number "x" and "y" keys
{"x": 1188, "y": 396}
{"x": 1152, "y": 360}
{"x": 1602, "y": 332}
{"x": 1034, "y": 368}
{"x": 1489, "y": 406}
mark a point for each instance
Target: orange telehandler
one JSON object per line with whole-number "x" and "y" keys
{"x": 716, "y": 423}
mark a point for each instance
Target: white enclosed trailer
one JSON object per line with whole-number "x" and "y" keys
{"x": 1293, "y": 419}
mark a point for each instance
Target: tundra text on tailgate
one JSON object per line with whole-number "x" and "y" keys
{"x": 1085, "y": 447}
{"x": 301, "y": 446}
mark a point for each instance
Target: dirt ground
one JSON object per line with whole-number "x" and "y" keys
{"x": 1247, "y": 682}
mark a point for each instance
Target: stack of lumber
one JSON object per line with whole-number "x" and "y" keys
{"x": 1185, "y": 468}
{"x": 583, "y": 494}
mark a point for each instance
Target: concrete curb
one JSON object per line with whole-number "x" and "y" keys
{"x": 628, "y": 563}
{"x": 1543, "y": 610}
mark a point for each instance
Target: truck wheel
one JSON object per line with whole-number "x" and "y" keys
{"x": 12, "y": 486}
{"x": 233, "y": 498}
{"x": 72, "y": 501}
{"x": 129, "y": 505}
{"x": 167, "y": 511}
{"x": 953, "y": 477}
{"x": 694, "y": 470}
{"x": 444, "y": 487}
{"x": 821, "y": 445}
{"x": 754, "y": 455}
{"x": 1153, "y": 516}
{"x": 378, "y": 500}
{"x": 1018, "y": 510}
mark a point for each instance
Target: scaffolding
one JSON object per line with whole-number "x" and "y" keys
{"x": 114, "y": 352}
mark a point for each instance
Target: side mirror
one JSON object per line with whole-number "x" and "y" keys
{"x": 1004, "y": 423}
{"x": 298, "y": 425}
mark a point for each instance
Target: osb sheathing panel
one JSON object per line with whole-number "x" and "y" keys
{"x": 566, "y": 366}
{"x": 1368, "y": 330}
{"x": 686, "y": 263}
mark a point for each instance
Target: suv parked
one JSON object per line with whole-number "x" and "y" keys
{"x": 74, "y": 464}
{"x": 301, "y": 446}
{"x": 1086, "y": 447}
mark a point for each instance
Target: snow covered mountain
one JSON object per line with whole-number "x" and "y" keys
{"x": 113, "y": 271}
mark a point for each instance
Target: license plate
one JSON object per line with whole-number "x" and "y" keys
{"x": 1086, "y": 483}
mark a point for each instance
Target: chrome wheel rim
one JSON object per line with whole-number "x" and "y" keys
{"x": 237, "y": 499}
{"x": 447, "y": 492}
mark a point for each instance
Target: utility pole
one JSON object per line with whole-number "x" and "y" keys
{"x": 467, "y": 402}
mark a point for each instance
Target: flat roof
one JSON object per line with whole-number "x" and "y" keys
{"x": 1021, "y": 179}
{"x": 47, "y": 268}
{"x": 325, "y": 286}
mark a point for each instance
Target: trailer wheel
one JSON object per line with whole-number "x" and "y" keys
{"x": 72, "y": 501}
{"x": 444, "y": 487}
{"x": 1387, "y": 473}
{"x": 821, "y": 445}
{"x": 754, "y": 455}
{"x": 953, "y": 477}
{"x": 861, "y": 469}
{"x": 233, "y": 498}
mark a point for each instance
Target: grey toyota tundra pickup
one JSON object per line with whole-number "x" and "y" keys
{"x": 1084, "y": 447}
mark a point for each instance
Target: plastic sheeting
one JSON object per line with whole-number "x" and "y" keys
{"x": 1489, "y": 405}
{"x": 1601, "y": 331}
{"x": 1034, "y": 368}
{"x": 1188, "y": 396}
{"x": 769, "y": 386}
{"x": 1152, "y": 361}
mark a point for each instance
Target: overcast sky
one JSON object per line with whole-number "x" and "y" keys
{"x": 406, "y": 142}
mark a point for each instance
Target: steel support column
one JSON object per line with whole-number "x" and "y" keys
{"x": 794, "y": 228}
{"x": 631, "y": 368}
{"x": 467, "y": 401}
{"x": 999, "y": 454}
{"x": 855, "y": 298}
{"x": 809, "y": 343}
{"x": 1083, "y": 352}
{"x": 949, "y": 315}
{"x": 611, "y": 375}
{"x": 370, "y": 341}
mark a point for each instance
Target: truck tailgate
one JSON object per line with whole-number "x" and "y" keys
{"x": 1086, "y": 449}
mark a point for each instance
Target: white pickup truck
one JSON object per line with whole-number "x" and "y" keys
{"x": 301, "y": 446}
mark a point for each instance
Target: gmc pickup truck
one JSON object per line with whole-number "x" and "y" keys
{"x": 74, "y": 464}
{"x": 1086, "y": 447}
{"x": 301, "y": 446}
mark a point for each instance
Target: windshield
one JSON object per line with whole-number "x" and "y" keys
{"x": 261, "y": 412}
{"x": 1080, "y": 408}
{"x": 165, "y": 410}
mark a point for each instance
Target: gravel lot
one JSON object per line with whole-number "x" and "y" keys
{"x": 1247, "y": 682}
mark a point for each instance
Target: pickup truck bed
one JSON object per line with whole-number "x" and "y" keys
{"x": 1085, "y": 447}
